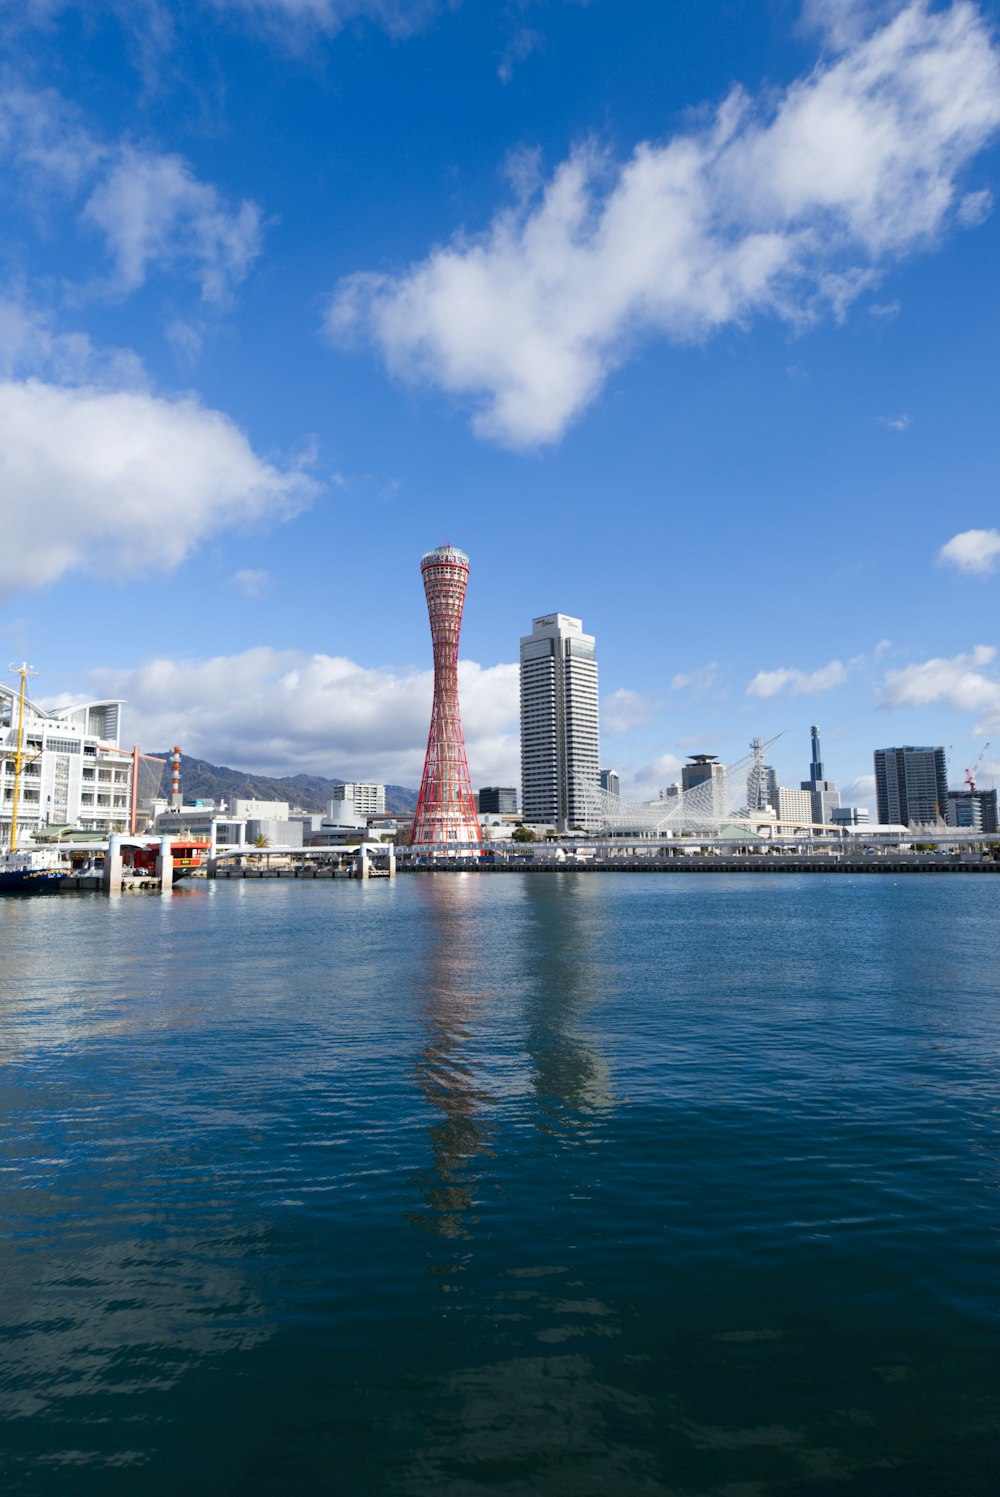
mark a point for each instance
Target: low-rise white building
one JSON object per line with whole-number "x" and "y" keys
{"x": 260, "y": 810}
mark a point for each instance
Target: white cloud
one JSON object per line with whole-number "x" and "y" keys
{"x": 799, "y": 683}
{"x": 522, "y": 44}
{"x": 975, "y": 208}
{"x": 45, "y": 139}
{"x": 699, "y": 680}
{"x": 123, "y": 482}
{"x": 646, "y": 782}
{"x": 150, "y": 208}
{"x": 624, "y": 710}
{"x": 28, "y": 344}
{"x": 845, "y": 22}
{"x": 860, "y": 792}
{"x": 284, "y": 711}
{"x": 252, "y": 581}
{"x": 886, "y": 309}
{"x": 298, "y": 20}
{"x": 957, "y": 682}
{"x": 791, "y": 208}
{"x": 894, "y": 423}
{"x": 975, "y": 551}
{"x": 153, "y": 211}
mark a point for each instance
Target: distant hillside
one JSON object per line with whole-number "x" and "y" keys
{"x": 201, "y": 780}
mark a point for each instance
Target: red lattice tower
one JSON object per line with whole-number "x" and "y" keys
{"x": 446, "y": 808}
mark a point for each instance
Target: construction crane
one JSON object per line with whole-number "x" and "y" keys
{"x": 970, "y": 774}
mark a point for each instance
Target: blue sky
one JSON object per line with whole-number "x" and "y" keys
{"x": 679, "y": 318}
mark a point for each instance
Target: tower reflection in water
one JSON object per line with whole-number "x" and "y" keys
{"x": 451, "y": 1004}
{"x": 510, "y": 972}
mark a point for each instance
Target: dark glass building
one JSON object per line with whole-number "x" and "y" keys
{"x": 911, "y": 785}
{"x": 499, "y": 800}
{"x": 976, "y": 809}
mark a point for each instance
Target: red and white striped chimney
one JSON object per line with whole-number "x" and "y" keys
{"x": 175, "y": 778}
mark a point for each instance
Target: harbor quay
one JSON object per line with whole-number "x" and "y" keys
{"x": 371, "y": 860}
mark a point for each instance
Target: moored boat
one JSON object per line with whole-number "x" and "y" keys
{"x": 31, "y": 871}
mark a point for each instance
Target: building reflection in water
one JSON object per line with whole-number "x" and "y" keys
{"x": 563, "y": 932}
{"x": 509, "y": 975}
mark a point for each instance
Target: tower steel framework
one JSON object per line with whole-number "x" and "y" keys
{"x": 446, "y": 808}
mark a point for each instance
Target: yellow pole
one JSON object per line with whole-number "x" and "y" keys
{"x": 22, "y": 671}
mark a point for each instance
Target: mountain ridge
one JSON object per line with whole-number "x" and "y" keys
{"x": 203, "y": 780}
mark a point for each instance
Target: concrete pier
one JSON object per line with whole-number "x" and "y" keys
{"x": 111, "y": 879}
{"x": 165, "y": 865}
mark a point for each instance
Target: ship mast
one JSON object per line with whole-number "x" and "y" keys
{"x": 24, "y": 671}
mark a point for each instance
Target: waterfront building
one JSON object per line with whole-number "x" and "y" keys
{"x": 976, "y": 809}
{"x": 702, "y": 769}
{"x": 560, "y": 727}
{"x": 446, "y": 809}
{"x": 363, "y": 800}
{"x": 825, "y": 795}
{"x": 497, "y": 800}
{"x": 610, "y": 782}
{"x": 911, "y": 785}
{"x": 795, "y": 806}
{"x": 76, "y": 772}
{"x": 850, "y": 816}
{"x": 258, "y": 810}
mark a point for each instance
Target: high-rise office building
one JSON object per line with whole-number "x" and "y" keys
{"x": 446, "y": 809}
{"x": 911, "y": 785}
{"x": 560, "y": 736}
{"x": 825, "y": 795}
{"x": 610, "y": 782}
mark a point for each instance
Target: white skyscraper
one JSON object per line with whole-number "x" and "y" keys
{"x": 560, "y": 740}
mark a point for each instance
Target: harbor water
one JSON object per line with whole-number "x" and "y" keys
{"x": 467, "y": 1187}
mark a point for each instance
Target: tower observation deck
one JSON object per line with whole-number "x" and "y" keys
{"x": 446, "y": 807}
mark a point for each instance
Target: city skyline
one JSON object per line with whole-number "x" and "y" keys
{"x": 238, "y": 304}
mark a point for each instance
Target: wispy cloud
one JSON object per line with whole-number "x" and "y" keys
{"x": 150, "y": 208}
{"x": 154, "y": 212}
{"x": 975, "y": 552}
{"x": 893, "y": 423}
{"x": 297, "y": 21}
{"x": 885, "y": 309}
{"x": 519, "y": 49}
{"x": 624, "y": 710}
{"x": 799, "y": 683}
{"x": 698, "y": 681}
{"x": 975, "y": 208}
{"x": 843, "y": 23}
{"x": 646, "y": 781}
{"x": 252, "y": 582}
{"x": 790, "y": 207}
{"x": 860, "y": 792}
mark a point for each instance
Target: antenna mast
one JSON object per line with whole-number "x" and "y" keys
{"x": 24, "y": 671}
